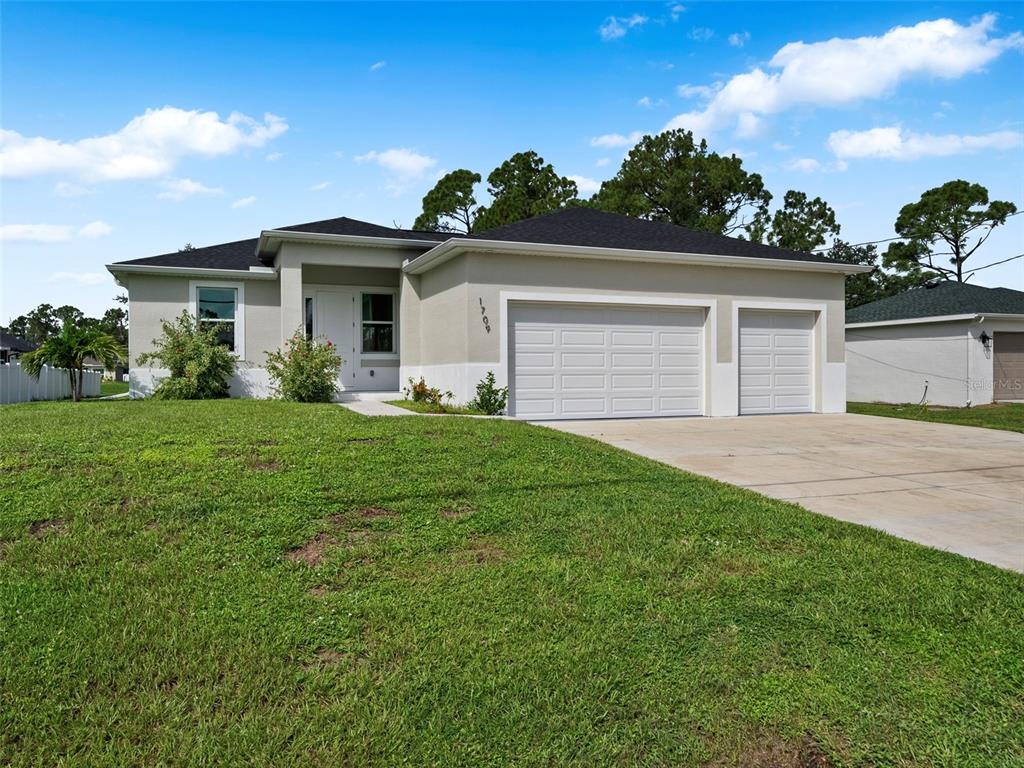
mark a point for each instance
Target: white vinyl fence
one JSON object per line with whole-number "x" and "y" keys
{"x": 16, "y": 386}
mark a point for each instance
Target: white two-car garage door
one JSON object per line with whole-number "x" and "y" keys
{"x": 776, "y": 362}
{"x": 596, "y": 361}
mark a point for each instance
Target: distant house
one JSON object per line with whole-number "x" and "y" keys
{"x": 13, "y": 347}
{"x": 951, "y": 344}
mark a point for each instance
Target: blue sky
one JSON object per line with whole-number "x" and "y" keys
{"x": 130, "y": 129}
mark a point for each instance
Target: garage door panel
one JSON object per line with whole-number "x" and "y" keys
{"x": 579, "y": 407}
{"x": 1008, "y": 365}
{"x": 585, "y": 362}
{"x": 632, "y": 360}
{"x": 621, "y": 381}
{"x": 776, "y": 362}
{"x": 527, "y": 382}
{"x": 578, "y": 338}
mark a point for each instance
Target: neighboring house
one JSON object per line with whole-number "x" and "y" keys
{"x": 117, "y": 373}
{"x": 13, "y": 347}
{"x": 950, "y": 344}
{"x": 583, "y": 314}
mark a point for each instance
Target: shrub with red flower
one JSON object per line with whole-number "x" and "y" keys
{"x": 306, "y": 371}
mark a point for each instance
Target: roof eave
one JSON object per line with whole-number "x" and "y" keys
{"x": 252, "y": 273}
{"x": 270, "y": 241}
{"x": 935, "y": 319}
{"x": 450, "y": 248}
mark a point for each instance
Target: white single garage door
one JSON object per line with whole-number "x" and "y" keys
{"x": 776, "y": 362}
{"x": 593, "y": 361}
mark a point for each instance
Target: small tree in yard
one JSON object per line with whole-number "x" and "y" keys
{"x": 306, "y": 371}
{"x": 490, "y": 398}
{"x": 69, "y": 348}
{"x": 200, "y": 365}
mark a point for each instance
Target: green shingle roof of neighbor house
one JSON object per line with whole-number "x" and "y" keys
{"x": 945, "y": 298}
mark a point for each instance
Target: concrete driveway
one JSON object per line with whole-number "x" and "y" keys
{"x": 951, "y": 487}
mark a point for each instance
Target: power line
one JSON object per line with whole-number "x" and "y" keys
{"x": 890, "y": 239}
{"x": 996, "y": 263}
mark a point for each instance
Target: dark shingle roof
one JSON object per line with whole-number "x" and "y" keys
{"x": 600, "y": 229}
{"x": 347, "y": 226}
{"x": 945, "y": 298}
{"x": 241, "y": 254}
{"x": 15, "y": 343}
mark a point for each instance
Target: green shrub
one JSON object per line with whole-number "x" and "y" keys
{"x": 306, "y": 371}
{"x": 200, "y": 365}
{"x": 490, "y": 398}
{"x": 419, "y": 392}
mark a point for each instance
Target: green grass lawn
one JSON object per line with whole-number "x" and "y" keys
{"x": 1008, "y": 416}
{"x": 265, "y": 583}
{"x": 113, "y": 388}
{"x": 457, "y": 410}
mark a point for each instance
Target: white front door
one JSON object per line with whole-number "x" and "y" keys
{"x": 571, "y": 361}
{"x": 776, "y": 362}
{"x": 335, "y": 313}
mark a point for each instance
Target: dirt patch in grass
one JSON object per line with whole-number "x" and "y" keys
{"x": 372, "y": 513}
{"x": 362, "y": 440}
{"x": 318, "y": 591}
{"x": 772, "y": 751}
{"x": 483, "y": 551}
{"x": 260, "y": 464}
{"x": 312, "y": 553}
{"x": 41, "y": 528}
{"x": 457, "y": 512}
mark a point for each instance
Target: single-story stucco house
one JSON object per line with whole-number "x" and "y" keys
{"x": 584, "y": 314}
{"x": 951, "y": 344}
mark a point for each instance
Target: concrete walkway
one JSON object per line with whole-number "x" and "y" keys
{"x": 946, "y": 486}
{"x": 375, "y": 408}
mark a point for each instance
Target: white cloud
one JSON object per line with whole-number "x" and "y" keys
{"x": 612, "y": 140}
{"x": 778, "y": 146}
{"x": 648, "y": 103}
{"x": 405, "y": 166}
{"x": 181, "y": 189}
{"x": 36, "y": 233}
{"x": 378, "y": 65}
{"x": 52, "y": 233}
{"x": 67, "y": 189}
{"x": 601, "y": 162}
{"x": 803, "y": 165}
{"x": 586, "y": 186}
{"x": 848, "y": 70}
{"x": 244, "y": 202}
{"x": 688, "y": 91}
{"x": 148, "y": 146}
{"x": 274, "y": 156}
{"x": 95, "y": 229}
{"x": 701, "y": 34}
{"x": 894, "y": 143}
{"x": 82, "y": 278}
{"x": 615, "y": 27}
{"x": 320, "y": 187}
{"x": 739, "y": 39}
{"x": 677, "y": 11}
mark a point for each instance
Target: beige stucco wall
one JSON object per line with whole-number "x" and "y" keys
{"x": 468, "y": 287}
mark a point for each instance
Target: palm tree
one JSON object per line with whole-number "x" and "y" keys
{"x": 69, "y": 348}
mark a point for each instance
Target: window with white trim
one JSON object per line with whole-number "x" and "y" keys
{"x": 378, "y": 323}
{"x": 217, "y": 307}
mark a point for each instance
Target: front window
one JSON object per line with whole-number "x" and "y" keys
{"x": 309, "y": 317}
{"x": 217, "y": 308}
{"x": 378, "y": 322}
